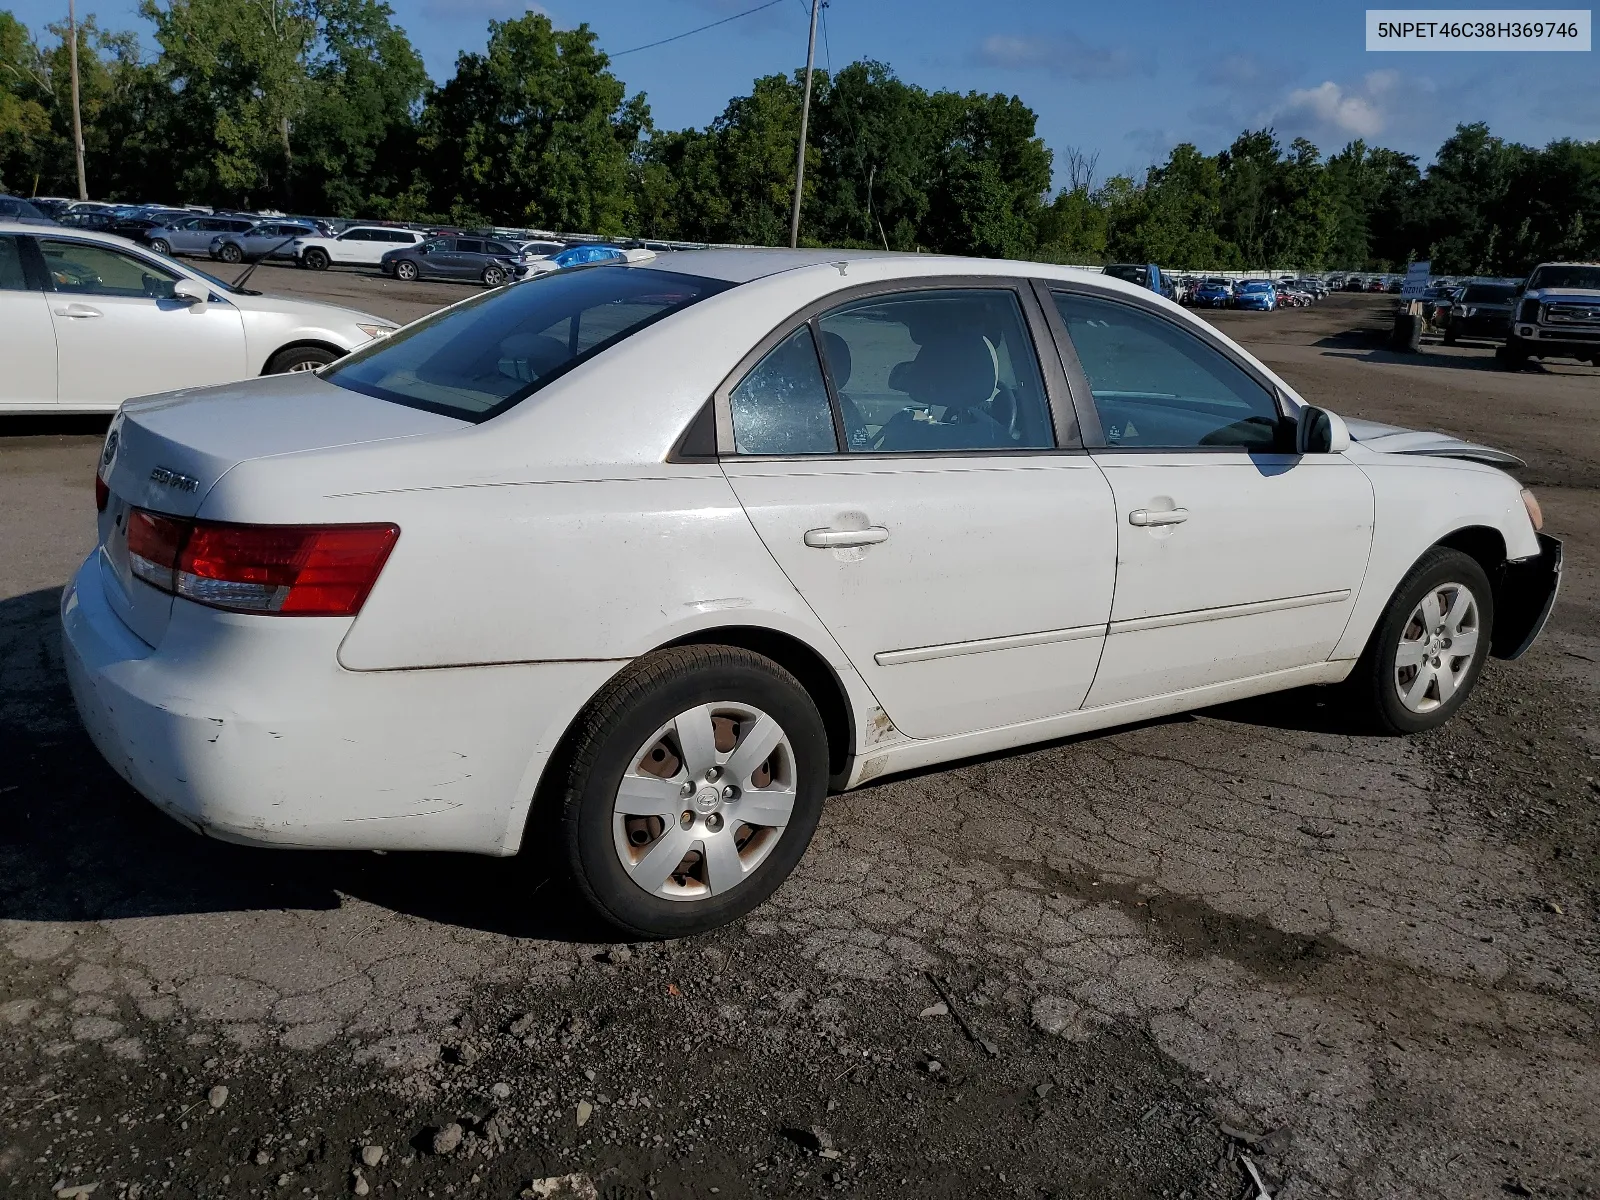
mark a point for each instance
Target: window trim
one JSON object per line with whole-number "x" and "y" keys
{"x": 125, "y": 251}
{"x": 34, "y": 273}
{"x": 1063, "y": 420}
{"x": 1083, "y": 398}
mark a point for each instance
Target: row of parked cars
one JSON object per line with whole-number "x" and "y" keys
{"x": 1261, "y": 295}
{"x": 241, "y": 237}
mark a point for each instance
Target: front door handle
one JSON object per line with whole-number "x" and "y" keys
{"x": 833, "y": 539}
{"x": 1166, "y": 516}
{"x": 79, "y": 311}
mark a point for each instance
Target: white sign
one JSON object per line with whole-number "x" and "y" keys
{"x": 1416, "y": 280}
{"x": 1478, "y": 29}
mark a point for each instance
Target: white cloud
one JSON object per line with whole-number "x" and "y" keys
{"x": 1063, "y": 54}
{"x": 1336, "y": 109}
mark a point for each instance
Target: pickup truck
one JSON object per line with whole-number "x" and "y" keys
{"x": 1557, "y": 315}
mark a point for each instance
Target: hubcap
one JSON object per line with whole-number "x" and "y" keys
{"x": 302, "y": 365}
{"x": 704, "y": 801}
{"x": 1436, "y": 647}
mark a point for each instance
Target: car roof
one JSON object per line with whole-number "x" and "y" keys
{"x": 69, "y": 231}
{"x": 744, "y": 265}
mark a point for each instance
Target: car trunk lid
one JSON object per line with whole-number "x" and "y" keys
{"x": 166, "y": 453}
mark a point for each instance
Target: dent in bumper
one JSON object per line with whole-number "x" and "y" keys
{"x": 1525, "y": 593}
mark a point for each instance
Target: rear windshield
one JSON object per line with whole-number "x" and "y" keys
{"x": 479, "y": 358}
{"x": 1490, "y": 293}
{"x": 1585, "y": 277}
{"x": 1132, "y": 274}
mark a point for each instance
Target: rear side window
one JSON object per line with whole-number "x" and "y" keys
{"x": 477, "y": 359}
{"x": 469, "y": 246}
{"x": 12, "y": 277}
{"x": 781, "y": 407}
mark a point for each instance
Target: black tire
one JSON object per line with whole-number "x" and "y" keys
{"x": 300, "y": 358}
{"x": 613, "y": 729}
{"x": 1514, "y": 354}
{"x": 493, "y": 276}
{"x": 229, "y": 253}
{"x": 315, "y": 259}
{"x": 161, "y": 246}
{"x": 406, "y": 271}
{"x": 1373, "y": 685}
{"x": 1450, "y": 335}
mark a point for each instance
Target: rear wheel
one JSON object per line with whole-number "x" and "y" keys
{"x": 1425, "y": 655}
{"x": 693, "y": 789}
{"x": 493, "y": 276}
{"x": 300, "y": 358}
{"x": 229, "y": 253}
{"x": 315, "y": 258}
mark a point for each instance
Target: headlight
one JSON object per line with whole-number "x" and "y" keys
{"x": 1467, "y": 312}
{"x": 375, "y": 331}
{"x": 1534, "y": 513}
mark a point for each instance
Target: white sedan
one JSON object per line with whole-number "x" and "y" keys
{"x": 641, "y": 560}
{"x": 89, "y": 319}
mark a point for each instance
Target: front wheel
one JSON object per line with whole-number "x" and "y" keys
{"x": 299, "y": 358}
{"x": 229, "y": 253}
{"x": 1450, "y": 335}
{"x": 1427, "y": 651}
{"x": 405, "y": 271}
{"x": 693, "y": 789}
{"x": 161, "y": 246}
{"x": 1514, "y": 354}
{"x": 315, "y": 259}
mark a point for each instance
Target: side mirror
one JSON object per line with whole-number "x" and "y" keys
{"x": 1320, "y": 432}
{"x": 187, "y": 291}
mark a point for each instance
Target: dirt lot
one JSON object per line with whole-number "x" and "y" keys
{"x": 1367, "y": 965}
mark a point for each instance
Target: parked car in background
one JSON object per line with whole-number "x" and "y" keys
{"x": 483, "y": 260}
{"x": 50, "y": 206}
{"x": 194, "y": 235}
{"x": 1355, "y": 284}
{"x": 15, "y": 208}
{"x": 1557, "y": 315}
{"x": 1481, "y": 309}
{"x": 358, "y": 246}
{"x": 363, "y": 608}
{"x": 87, "y": 320}
{"x": 263, "y": 239}
{"x": 1213, "y": 293}
{"x": 576, "y": 256}
{"x": 540, "y": 248}
{"x": 1257, "y": 294}
{"x": 1145, "y": 275}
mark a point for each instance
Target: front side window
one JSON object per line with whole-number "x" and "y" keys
{"x": 945, "y": 370}
{"x": 781, "y": 407}
{"x": 83, "y": 269}
{"x": 1157, "y": 386}
{"x": 477, "y": 359}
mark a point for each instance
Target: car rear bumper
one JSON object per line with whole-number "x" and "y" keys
{"x": 245, "y": 728}
{"x": 1525, "y": 594}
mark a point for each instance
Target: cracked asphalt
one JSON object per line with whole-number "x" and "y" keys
{"x": 1119, "y": 965}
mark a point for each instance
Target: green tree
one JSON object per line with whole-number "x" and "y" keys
{"x": 536, "y": 130}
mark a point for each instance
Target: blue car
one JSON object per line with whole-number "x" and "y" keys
{"x": 1213, "y": 293}
{"x": 594, "y": 252}
{"x": 1258, "y": 294}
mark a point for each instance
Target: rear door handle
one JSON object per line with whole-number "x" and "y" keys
{"x": 1165, "y": 516}
{"x": 831, "y": 539}
{"x": 78, "y": 311}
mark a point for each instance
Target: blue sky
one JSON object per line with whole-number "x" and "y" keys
{"x": 1125, "y": 80}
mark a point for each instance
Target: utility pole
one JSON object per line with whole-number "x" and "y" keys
{"x": 77, "y": 112}
{"x": 805, "y": 114}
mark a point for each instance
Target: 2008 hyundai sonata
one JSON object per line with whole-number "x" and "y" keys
{"x": 641, "y": 560}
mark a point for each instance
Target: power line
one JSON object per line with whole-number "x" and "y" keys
{"x": 701, "y": 29}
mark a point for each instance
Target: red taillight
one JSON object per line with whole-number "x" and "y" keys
{"x": 298, "y": 570}
{"x": 102, "y": 494}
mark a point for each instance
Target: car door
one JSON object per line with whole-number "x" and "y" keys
{"x": 27, "y": 339}
{"x": 469, "y": 258}
{"x": 119, "y": 332}
{"x": 1235, "y": 557}
{"x": 356, "y": 247}
{"x": 445, "y": 262}
{"x": 916, "y": 497}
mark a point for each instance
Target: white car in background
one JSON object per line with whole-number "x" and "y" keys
{"x": 639, "y": 560}
{"x": 358, "y": 246}
{"x": 89, "y": 319}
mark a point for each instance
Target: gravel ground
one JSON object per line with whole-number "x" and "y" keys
{"x": 1120, "y": 965}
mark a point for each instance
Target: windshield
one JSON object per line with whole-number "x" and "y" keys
{"x": 1489, "y": 293}
{"x": 479, "y": 358}
{"x": 1587, "y": 277}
